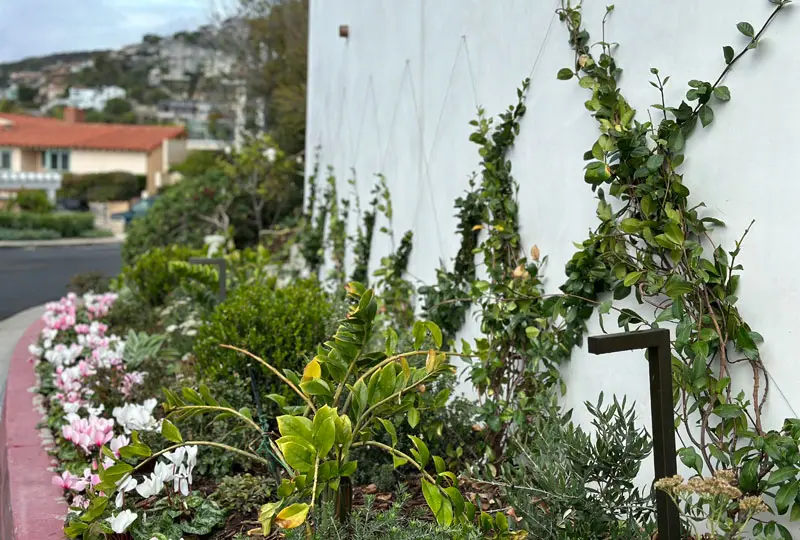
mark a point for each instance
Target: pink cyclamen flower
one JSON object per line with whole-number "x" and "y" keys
{"x": 69, "y": 481}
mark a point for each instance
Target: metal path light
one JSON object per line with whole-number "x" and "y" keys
{"x": 657, "y": 343}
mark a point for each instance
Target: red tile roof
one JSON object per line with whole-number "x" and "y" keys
{"x": 18, "y": 130}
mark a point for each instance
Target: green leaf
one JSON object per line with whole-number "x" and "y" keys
{"x": 422, "y": 454}
{"x": 706, "y": 115}
{"x": 170, "y": 432}
{"x": 532, "y": 332}
{"x": 316, "y": 387}
{"x": 748, "y": 476}
{"x": 747, "y": 29}
{"x": 565, "y": 74}
{"x": 630, "y": 225}
{"x": 324, "y": 430}
{"x": 413, "y": 417}
{"x": 632, "y": 278}
{"x": 296, "y": 426}
{"x": 795, "y": 515}
{"x": 728, "y": 411}
{"x": 297, "y": 453}
{"x": 436, "y": 333}
{"x": 781, "y": 475}
{"x": 728, "y": 52}
{"x": 691, "y": 459}
{"x": 674, "y": 233}
{"x": 348, "y": 468}
{"x": 655, "y": 161}
{"x": 596, "y": 173}
{"x": 785, "y": 496}
{"x": 419, "y": 333}
{"x": 605, "y": 307}
{"x": 722, "y": 93}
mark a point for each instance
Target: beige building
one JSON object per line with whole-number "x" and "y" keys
{"x": 33, "y": 144}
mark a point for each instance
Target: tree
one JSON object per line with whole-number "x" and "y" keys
{"x": 26, "y": 95}
{"x": 263, "y": 175}
{"x": 117, "y": 107}
{"x": 269, "y": 39}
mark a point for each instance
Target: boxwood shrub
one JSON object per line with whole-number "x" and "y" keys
{"x": 281, "y": 325}
{"x": 150, "y": 277}
{"x": 67, "y": 224}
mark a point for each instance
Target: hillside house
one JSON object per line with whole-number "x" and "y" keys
{"x": 32, "y": 144}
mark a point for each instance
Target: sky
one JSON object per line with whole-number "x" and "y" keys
{"x": 41, "y": 27}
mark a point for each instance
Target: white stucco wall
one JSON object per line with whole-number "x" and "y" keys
{"x": 95, "y": 161}
{"x": 397, "y": 96}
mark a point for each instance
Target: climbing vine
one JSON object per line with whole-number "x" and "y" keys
{"x": 363, "y": 241}
{"x": 659, "y": 247}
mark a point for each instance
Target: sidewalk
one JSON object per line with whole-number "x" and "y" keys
{"x": 61, "y": 242}
{"x": 11, "y": 330}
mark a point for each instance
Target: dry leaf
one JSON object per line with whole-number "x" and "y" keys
{"x": 535, "y": 253}
{"x": 370, "y": 489}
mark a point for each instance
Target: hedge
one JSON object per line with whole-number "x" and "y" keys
{"x": 66, "y": 224}
{"x": 102, "y": 187}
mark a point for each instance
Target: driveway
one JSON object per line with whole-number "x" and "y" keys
{"x": 31, "y": 277}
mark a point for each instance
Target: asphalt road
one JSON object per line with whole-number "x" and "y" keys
{"x": 31, "y": 277}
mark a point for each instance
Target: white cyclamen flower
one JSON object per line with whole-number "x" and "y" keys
{"x": 121, "y": 522}
{"x": 164, "y": 471}
{"x": 133, "y": 417}
{"x": 150, "y": 486}
{"x": 129, "y": 484}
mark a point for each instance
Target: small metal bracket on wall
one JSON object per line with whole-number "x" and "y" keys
{"x": 657, "y": 343}
{"x": 220, "y": 264}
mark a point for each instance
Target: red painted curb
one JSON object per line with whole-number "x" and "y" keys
{"x": 31, "y": 507}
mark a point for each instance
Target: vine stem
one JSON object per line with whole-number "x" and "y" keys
{"x": 277, "y": 373}
{"x": 742, "y": 52}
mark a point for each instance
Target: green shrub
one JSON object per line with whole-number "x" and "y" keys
{"x": 96, "y": 233}
{"x": 150, "y": 276}
{"x": 67, "y": 224}
{"x": 180, "y": 216}
{"x": 131, "y": 312}
{"x": 28, "y": 234}
{"x": 282, "y": 326}
{"x": 590, "y": 477}
{"x": 95, "y": 282}
{"x": 243, "y": 493}
{"x": 33, "y": 200}
{"x": 102, "y": 187}
{"x": 198, "y": 163}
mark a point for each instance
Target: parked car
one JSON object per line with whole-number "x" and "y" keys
{"x": 137, "y": 209}
{"x": 72, "y": 205}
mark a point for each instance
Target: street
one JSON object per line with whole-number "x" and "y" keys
{"x": 30, "y": 277}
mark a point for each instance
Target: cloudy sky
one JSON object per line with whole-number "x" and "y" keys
{"x": 37, "y": 27}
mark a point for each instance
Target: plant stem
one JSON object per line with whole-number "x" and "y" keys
{"x": 277, "y": 373}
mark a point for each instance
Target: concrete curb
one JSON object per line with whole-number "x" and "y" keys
{"x": 31, "y": 507}
{"x": 61, "y": 242}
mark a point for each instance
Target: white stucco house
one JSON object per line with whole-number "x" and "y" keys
{"x": 395, "y": 93}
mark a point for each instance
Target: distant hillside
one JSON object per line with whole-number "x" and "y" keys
{"x": 36, "y": 63}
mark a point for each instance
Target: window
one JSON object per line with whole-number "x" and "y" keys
{"x": 5, "y": 160}
{"x": 55, "y": 160}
